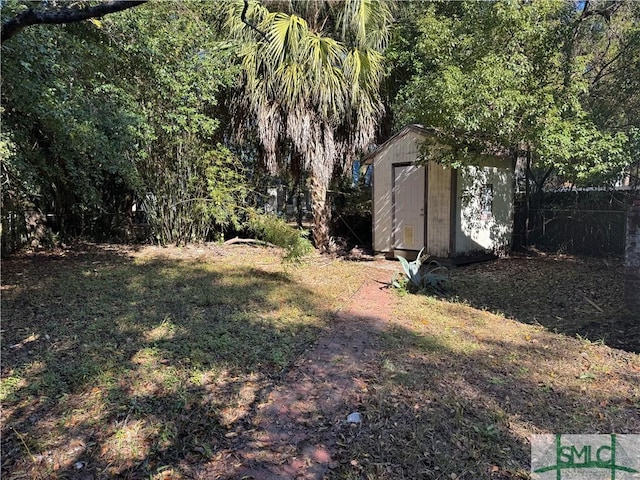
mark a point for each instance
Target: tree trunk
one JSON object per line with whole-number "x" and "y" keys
{"x": 527, "y": 198}
{"x": 321, "y": 212}
{"x": 632, "y": 257}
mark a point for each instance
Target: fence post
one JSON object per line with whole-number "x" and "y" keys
{"x": 632, "y": 257}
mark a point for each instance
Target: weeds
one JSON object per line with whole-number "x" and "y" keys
{"x": 139, "y": 364}
{"x": 277, "y": 231}
{"x": 460, "y": 390}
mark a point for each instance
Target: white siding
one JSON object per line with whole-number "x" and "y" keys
{"x": 475, "y": 230}
{"x": 478, "y": 231}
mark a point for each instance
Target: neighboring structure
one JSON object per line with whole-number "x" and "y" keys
{"x": 452, "y": 213}
{"x": 281, "y": 200}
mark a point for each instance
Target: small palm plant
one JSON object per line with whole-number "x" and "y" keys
{"x": 421, "y": 277}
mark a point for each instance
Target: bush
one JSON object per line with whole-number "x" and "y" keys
{"x": 276, "y": 230}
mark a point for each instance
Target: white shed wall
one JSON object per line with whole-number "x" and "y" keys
{"x": 474, "y": 230}
{"x": 477, "y": 231}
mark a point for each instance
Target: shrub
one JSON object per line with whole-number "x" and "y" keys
{"x": 276, "y": 230}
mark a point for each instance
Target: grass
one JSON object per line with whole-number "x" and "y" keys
{"x": 461, "y": 388}
{"x": 142, "y": 363}
{"x": 570, "y": 295}
{"x": 121, "y": 363}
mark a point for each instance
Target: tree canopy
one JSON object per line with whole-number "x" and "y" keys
{"x": 99, "y": 115}
{"x": 176, "y": 105}
{"x": 524, "y": 76}
{"x": 43, "y": 14}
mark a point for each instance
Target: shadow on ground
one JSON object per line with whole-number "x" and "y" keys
{"x": 462, "y": 404}
{"x": 119, "y": 366}
{"x": 575, "y": 296}
{"x": 124, "y": 367}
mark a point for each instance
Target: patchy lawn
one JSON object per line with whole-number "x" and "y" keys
{"x": 125, "y": 363}
{"x": 464, "y": 382}
{"x": 576, "y": 296}
{"x": 148, "y": 363}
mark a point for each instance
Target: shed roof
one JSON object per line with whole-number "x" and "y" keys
{"x": 488, "y": 151}
{"x": 412, "y": 127}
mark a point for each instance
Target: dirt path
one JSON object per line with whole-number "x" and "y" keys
{"x": 294, "y": 432}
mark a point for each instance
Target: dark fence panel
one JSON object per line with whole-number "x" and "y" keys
{"x": 578, "y": 231}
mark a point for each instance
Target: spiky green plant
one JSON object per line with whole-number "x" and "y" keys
{"x": 430, "y": 278}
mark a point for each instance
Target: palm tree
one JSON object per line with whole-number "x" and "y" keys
{"x": 312, "y": 71}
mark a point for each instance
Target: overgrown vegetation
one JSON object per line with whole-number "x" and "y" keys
{"x": 314, "y": 100}
{"x": 524, "y": 79}
{"x": 144, "y": 363}
{"x": 193, "y": 186}
{"x": 277, "y": 231}
{"x": 140, "y": 126}
{"x": 139, "y": 106}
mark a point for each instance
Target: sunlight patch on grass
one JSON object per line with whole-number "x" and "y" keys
{"x": 485, "y": 383}
{"x": 10, "y": 385}
{"x": 153, "y": 353}
{"x": 451, "y": 326}
{"x": 128, "y": 443}
{"x": 148, "y": 357}
{"x": 166, "y": 330}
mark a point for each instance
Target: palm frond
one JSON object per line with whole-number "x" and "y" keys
{"x": 285, "y": 34}
{"x": 312, "y": 84}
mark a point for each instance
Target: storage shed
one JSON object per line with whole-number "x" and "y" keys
{"x": 458, "y": 214}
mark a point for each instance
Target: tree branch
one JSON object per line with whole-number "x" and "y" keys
{"x": 235, "y": 240}
{"x": 243, "y": 17}
{"x": 540, "y": 184}
{"x": 29, "y": 17}
{"x": 605, "y": 12}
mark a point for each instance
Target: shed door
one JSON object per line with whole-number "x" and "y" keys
{"x": 408, "y": 207}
